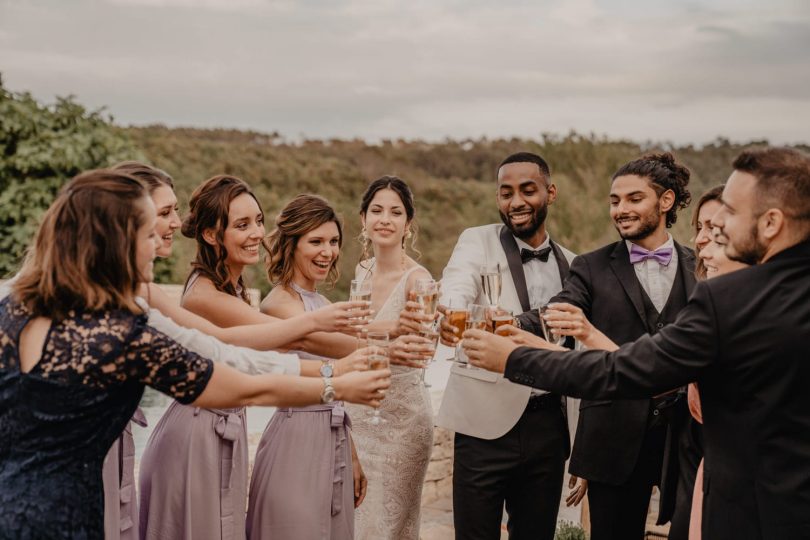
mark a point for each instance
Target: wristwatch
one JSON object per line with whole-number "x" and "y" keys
{"x": 327, "y": 370}
{"x": 328, "y": 394}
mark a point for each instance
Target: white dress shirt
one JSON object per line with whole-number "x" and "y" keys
{"x": 655, "y": 278}
{"x": 542, "y": 278}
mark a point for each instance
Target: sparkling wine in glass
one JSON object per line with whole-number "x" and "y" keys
{"x": 360, "y": 291}
{"x": 427, "y": 294}
{"x": 477, "y": 320}
{"x": 378, "y": 359}
{"x": 502, "y": 317}
{"x": 550, "y": 335}
{"x": 491, "y": 283}
{"x": 457, "y": 318}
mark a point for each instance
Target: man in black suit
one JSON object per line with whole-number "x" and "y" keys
{"x": 628, "y": 289}
{"x": 743, "y": 336}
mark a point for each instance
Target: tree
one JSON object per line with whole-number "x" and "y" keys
{"x": 41, "y": 147}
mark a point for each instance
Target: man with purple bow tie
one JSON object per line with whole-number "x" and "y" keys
{"x": 627, "y": 289}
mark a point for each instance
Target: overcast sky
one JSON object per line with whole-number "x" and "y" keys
{"x": 676, "y": 71}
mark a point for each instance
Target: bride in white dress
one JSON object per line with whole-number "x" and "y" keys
{"x": 396, "y": 453}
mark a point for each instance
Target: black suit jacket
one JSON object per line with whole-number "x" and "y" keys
{"x": 610, "y": 433}
{"x": 745, "y": 337}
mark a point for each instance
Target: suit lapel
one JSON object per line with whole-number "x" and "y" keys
{"x": 620, "y": 264}
{"x": 562, "y": 262}
{"x": 686, "y": 262}
{"x": 512, "y": 252}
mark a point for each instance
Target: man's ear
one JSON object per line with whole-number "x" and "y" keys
{"x": 666, "y": 201}
{"x": 552, "y": 194}
{"x": 771, "y": 223}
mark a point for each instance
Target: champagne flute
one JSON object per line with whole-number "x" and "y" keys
{"x": 457, "y": 317}
{"x": 360, "y": 290}
{"x": 491, "y": 282}
{"x": 477, "y": 320}
{"x": 550, "y": 335}
{"x": 427, "y": 294}
{"x": 378, "y": 359}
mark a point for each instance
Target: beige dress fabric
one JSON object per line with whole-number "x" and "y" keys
{"x": 394, "y": 455}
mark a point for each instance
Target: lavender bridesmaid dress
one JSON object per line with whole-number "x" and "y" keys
{"x": 118, "y": 473}
{"x": 302, "y": 485}
{"x": 193, "y": 473}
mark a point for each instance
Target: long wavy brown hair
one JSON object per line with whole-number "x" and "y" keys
{"x": 299, "y": 216}
{"x": 208, "y": 209}
{"x": 713, "y": 194}
{"x": 84, "y": 253}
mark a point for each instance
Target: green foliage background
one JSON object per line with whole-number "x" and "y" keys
{"x": 42, "y": 146}
{"x": 453, "y": 181}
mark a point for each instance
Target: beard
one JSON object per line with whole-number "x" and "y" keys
{"x": 528, "y": 229}
{"x": 647, "y": 225}
{"x": 748, "y": 250}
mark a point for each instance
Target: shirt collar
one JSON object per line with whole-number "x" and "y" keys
{"x": 523, "y": 245}
{"x": 670, "y": 243}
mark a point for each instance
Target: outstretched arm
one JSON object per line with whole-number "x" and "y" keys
{"x": 673, "y": 357}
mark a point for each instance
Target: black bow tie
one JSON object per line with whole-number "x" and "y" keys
{"x": 542, "y": 254}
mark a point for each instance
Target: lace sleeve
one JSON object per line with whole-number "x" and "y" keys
{"x": 245, "y": 360}
{"x": 160, "y": 362}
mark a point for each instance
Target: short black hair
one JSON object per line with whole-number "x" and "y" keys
{"x": 663, "y": 173}
{"x": 528, "y": 157}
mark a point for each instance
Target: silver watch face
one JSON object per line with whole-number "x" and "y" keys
{"x": 328, "y": 395}
{"x": 326, "y": 370}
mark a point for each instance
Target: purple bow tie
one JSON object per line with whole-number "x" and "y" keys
{"x": 662, "y": 255}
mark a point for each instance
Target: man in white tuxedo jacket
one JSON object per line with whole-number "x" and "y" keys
{"x": 511, "y": 442}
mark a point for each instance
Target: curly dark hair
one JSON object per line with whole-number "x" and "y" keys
{"x": 664, "y": 174}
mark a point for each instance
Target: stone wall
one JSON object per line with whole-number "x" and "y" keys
{"x": 439, "y": 479}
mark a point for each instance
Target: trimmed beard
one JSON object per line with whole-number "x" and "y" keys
{"x": 531, "y": 227}
{"x": 750, "y": 251}
{"x": 648, "y": 225}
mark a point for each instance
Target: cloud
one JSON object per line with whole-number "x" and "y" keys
{"x": 426, "y": 68}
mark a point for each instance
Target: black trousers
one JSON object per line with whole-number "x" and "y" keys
{"x": 620, "y": 512}
{"x": 523, "y": 470}
{"x": 690, "y": 452}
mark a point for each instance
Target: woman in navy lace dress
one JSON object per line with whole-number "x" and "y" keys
{"x": 76, "y": 353}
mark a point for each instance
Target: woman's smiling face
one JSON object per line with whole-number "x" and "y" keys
{"x": 167, "y": 219}
{"x": 316, "y": 253}
{"x": 245, "y": 230}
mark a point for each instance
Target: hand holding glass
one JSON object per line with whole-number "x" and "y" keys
{"x": 377, "y": 359}
{"x": 550, "y": 335}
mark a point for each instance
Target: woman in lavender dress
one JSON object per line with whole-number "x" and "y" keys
{"x": 306, "y": 477}
{"x": 193, "y": 449}
{"x": 75, "y": 341}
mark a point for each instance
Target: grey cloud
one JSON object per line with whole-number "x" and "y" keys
{"x": 370, "y": 67}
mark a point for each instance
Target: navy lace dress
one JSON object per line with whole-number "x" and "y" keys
{"x": 58, "y": 420}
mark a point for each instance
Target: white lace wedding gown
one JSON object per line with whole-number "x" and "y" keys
{"x": 394, "y": 455}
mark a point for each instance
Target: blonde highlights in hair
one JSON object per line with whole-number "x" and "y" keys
{"x": 84, "y": 254}
{"x": 298, "y": 217}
